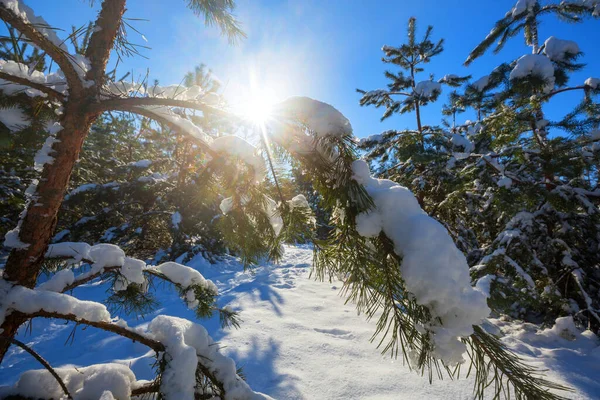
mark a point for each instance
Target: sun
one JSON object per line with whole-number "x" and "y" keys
{"x": 257, "y": 106}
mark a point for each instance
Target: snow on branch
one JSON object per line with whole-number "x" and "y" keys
{"x": 21, "y": 17}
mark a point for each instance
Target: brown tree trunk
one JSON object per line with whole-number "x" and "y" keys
{"x": 23, "y": 265}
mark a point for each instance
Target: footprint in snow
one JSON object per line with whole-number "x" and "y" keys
{"x": 340, "y": 333}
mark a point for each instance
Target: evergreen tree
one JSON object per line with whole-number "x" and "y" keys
{"x": 411, "y": 157}
{"x": 529, "y": 187}
{"x": 426, "y": 309}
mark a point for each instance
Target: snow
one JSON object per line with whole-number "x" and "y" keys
{"x": 321, "y": 118}
{"x": 11, "y": 239}
{"x": 82, "y": 383}
{"x": 43, "y": 156}
{"x": 274, "y": 215}
{"x": 14, "y": 118}
{"x": 299, "y": 340}
{"x": 298, "y": 201}
{"x": 558, "y": 49}
{"x": 106, "y": 255}
{"x": 132, "y": 271}
{"x": 185, "y": 276}
{"x": 593, "y": 83}
{"x": 481, "y": 83}
{"x": 74, "y": 250}
{"x": 461, "y": 141}
{"x": 522, "y": 6}
{"x": 53, "y": 80}
{"x": 438, "y": 279}
{"x": 59, "y": 281}
{"x": 226, "y": 205}
{"x": 537, "y": 65}
{"x": 504, "y": 182}
{"x": 141, "y": 164}
{"x": 236, "y": 146}
{"x": 176, "y": 219}
{"x": 428, "y": 89}
{"x": 185, "y": 125}
{"x": 186, "y": 344}
{"x": 19, "y": 298}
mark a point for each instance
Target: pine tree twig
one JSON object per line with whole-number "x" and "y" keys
{"x": 58, "y": 55}
{"x": 131, "y": 103}
{"x": 156, "y": 117}
{"x": 41, "y": 360}
{"x": 34, "y": 85}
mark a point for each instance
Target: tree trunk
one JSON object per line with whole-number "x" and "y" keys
{"x": 23, "y": 265}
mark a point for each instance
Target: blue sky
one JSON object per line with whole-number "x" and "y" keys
{"x": 322, "y": 49}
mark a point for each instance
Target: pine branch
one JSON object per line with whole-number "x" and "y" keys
{"x": 41, "y": 360}
{"x": 34, "y": 85}
{"x": 57, "y": 54}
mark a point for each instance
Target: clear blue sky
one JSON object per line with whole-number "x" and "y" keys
{"x": 323, "y": 49}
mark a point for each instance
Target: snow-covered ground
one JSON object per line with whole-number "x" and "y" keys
{"x": 298, "y": 340}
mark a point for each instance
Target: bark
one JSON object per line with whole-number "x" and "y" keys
{"x": 23, "y": 265}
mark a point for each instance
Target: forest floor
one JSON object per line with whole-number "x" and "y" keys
{"x": 299, "y": 340}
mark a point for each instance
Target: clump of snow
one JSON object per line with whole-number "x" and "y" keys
{"x": 184, "y": 124}
{"x": 93, "y": 382}
{"x": 59, "y": 281}
{"x": 438, "y": 279}
{"x": 133, "y": 270}
{"x": 428, "y": 89}
{"x": 185, "y": 276}
{"x": 321, "y": 118}
{"x": 29, "y": 301}
{"x": 274, "y": 215}
{"x": 461, "y": 141}
{"x": 176, "y": 219}
{"x": 298, "y": 201}
{"x": 226, "y": 205}
{"x": 481, "y": 83}
{"x": 141, "y": 164}
{"x": 186, "y": 344}
{"x": 43, "y": 156}
{"x": 11, "y": 238}
{"x": 54, "y": 80}
{"x": 592, "y": 83}
{"x": 537, "y": 65}
{"x": 504, "y": 182}
{"x": 14, "y": 118}
{"x": 236, "y": 146}
{"x": 106, "y": 255}
{"x": 522, "y": 6}
{"x": 558, "y": 49}
{"x": 378, "y": 138}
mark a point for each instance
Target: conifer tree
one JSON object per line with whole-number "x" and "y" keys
{"x": 411, "y": 156}
{"x": 427, "y": 311}
{"x": 530, "y": 185}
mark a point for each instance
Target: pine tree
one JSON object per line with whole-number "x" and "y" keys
{"x": 534, "y": 181}
{"x": 376, "y": 241}
{"x": 411, "y": 157}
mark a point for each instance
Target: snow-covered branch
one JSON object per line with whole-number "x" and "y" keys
{"x": 55, "y": 95}
{"x": 20, "y": 17}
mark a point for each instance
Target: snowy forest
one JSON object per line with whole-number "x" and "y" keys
{"x": 162, "y": 240}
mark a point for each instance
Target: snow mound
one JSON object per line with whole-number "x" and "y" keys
{"x": 438, "y": 279}
{"x": 558, "y": 50}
